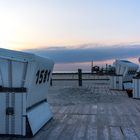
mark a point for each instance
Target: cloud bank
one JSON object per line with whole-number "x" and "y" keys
{"x": 87, "y": 53}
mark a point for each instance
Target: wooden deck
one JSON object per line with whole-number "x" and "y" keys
{"x": 90, "y": 113}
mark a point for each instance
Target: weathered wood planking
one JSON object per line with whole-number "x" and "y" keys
{"x": 112, "y": 116}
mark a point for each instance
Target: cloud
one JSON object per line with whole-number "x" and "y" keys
{"x": 87, "y": 53}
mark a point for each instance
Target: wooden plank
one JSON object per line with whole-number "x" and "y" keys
{"x": 61, "y": 117}
{"x": 93, "y": 109}
{"x": 118, "y": 109}
{"x": 137, "y": 131}
{"x": 129, "y": 133}
{"x": 67, "y": 133}
{"x": 55, "y": 133}
{"x": 101, "y": 120}
{"x": 102, "y": 108}
{"x": 80, "y": 132}
{"x": 62, "y": 110}
{"x": 110, "y": 109}
{"x": 114, "y": 120}
{"x": 86, "y": 109}
{"x": 73, "y": 119}
{"x": 72, "y": 109}
{"x": 91, "y": 133}
{"x": 125, "y": 121}
{"x": 79, "y": 109}
{"x": 93, "y": 120}
{"x": 134, "y": 110}
{"x": 103, "y": 133}
{"x": 55, "y": 109}
{"x": 135, "y": 120}
{"x": 116, "y": 134}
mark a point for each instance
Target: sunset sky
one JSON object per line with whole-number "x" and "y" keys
{"x": 28, "y": 24}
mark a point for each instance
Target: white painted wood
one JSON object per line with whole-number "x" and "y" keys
{"x": 125, "y": 68}
{"x": 136, "y": 88}
{"x": 116, "y": 82}
{"x": 16, "y": 123}
{"x": 19, "y": 70}
{"x": 39, "y": 116}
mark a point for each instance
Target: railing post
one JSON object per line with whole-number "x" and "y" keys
{"x": 80, "y": 77}
{"x": 51, "y": 82}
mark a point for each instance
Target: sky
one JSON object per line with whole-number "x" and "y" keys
{"x": 41, "y": 23}
{"x": 72, "y": 31}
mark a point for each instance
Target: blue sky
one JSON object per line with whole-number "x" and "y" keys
{"x": 60, "y": 28}
{"x": 40, "y": 23}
